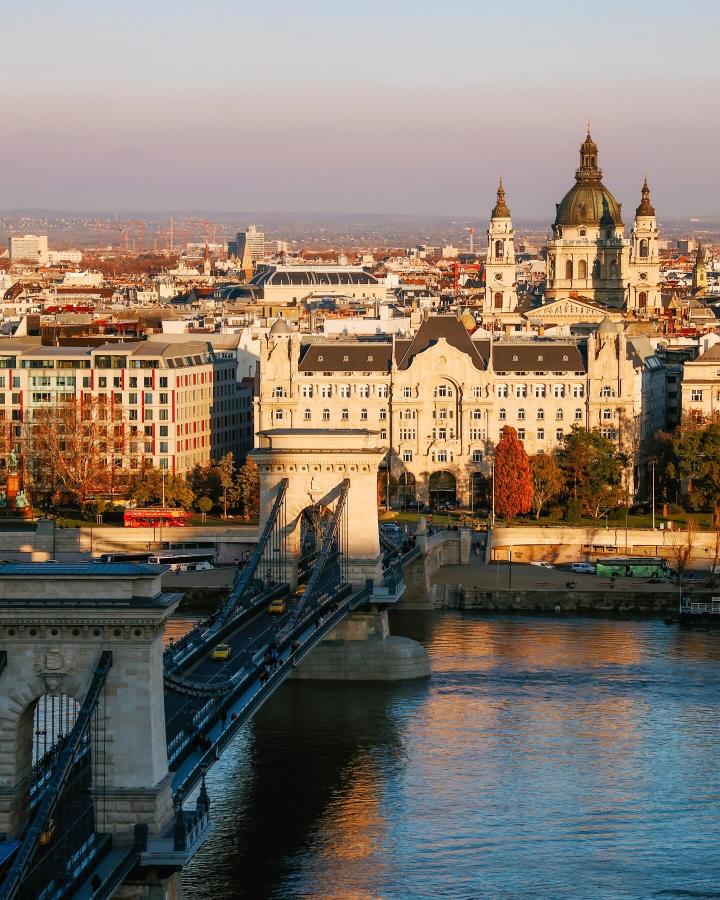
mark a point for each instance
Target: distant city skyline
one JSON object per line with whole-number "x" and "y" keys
{"x": 407, "y": 108}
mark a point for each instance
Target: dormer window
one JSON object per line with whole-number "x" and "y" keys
{"x": 515, "y": 359}
{"x": 321, "y": 358}
{"x": 346, "y": 359}
{"x": 565, "y": 358}
{"x": 540, "y": 359}
{"x": 370, "y": 359}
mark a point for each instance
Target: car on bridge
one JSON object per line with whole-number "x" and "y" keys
{"x": 299, "y": 590}
{"x": 582, "y": 568}
{"x": 278, "y": 606}
{"x": 220, "y": 653}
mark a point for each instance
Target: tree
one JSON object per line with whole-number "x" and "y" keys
{"x": 249, "y": 485}
{"x": 75, "y": 445}
{"x": 697, "y": 452}
{"x": 204, "y": 504}
{"x": 152, "y": 488}
{"x": 229, "y": 487}
{"x": 513, "y": 483}
{"x": 681, "y": 546}
{"x": 593, "y": 470}
{"x": 547, "y": 479}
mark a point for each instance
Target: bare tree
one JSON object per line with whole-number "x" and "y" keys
{"x": 681, "y": 546}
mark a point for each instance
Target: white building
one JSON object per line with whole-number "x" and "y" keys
{"x": 29, "y": 248}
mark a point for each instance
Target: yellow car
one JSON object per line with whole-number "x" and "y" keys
{"x": 277, "y": 607}
{"x": 220, "y": 653}
{"x": 299, "y": 590}
{"x": 49, "y": 833}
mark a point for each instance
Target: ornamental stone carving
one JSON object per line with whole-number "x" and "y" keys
{"x": 53, "y": 666}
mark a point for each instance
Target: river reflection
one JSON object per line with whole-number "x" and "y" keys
{"x": 544, "y": 758}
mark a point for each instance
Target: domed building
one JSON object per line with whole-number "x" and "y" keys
{"x": 589, "y": 256}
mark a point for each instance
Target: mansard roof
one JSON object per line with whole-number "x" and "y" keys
{"x": 359, "y": 356}
{"x": 537, "y": 356}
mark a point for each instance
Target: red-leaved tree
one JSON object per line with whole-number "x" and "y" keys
{"x": 513, "y": 481}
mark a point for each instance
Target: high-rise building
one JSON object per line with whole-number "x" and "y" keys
{"x": 29, "y": 248}
{"x": 250, "y": 247}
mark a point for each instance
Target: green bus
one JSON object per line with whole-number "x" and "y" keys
{"x": 633, "y": 566}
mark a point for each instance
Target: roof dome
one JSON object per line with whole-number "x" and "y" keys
{"x": 588, "y": 202}
{"x": 280, "y": 326}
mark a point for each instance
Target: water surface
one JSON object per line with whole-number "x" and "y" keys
{"x": 543, "y": 759}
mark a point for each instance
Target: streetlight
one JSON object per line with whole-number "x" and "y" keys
{"x": 653, "y": 493}
{"x": 492, "y": 517}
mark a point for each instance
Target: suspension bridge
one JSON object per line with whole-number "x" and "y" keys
{"x": 107, "y": 735}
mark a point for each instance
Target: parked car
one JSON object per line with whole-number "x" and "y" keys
{"x": 582, "y": 568}
{"x": 543, "y": 565}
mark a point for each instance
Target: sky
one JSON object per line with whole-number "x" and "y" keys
{"x": 389, "y": 107}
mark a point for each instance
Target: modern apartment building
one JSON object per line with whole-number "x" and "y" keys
{"x": 172, "y": 405}
{"x": 29, "y": 248}
{"x": 440, "y": 400}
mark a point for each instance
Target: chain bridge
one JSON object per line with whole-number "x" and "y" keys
{"x": 106, "y": 735}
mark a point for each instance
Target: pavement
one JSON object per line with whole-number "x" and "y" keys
{"x": 219, "y": 577}
{"x": 495, "y": 576}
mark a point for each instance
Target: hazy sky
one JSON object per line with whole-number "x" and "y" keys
{"x": 395, "y": 106}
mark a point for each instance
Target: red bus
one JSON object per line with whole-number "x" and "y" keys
{"x": 155, "y": 517}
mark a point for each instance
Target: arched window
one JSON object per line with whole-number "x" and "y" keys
{"x": 583, "y": 232}
{"x": 502, "y": 415}
{"x": 498, "y": 300}
{"x": 363, "y": 414}
{"x": 477, "y": 414}
{"x": 279, "y": 392}
{"x": 307, "y": 415}
{"x": 344, "y": 415}
{"x": 613, "y": 268}
{"x": 582, "y": 269}
{"x": 279, "y": 415}
{"x": 642, "y": 300}
{"x": 644, "y": 247}
{"x": 541, "y": 413}
{"x": 326, "y": 415}
{"x": 499, "y": 249}
{"x": 521, "y": 413}
{"x": 569, "y": 270}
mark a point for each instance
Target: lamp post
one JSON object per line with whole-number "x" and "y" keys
{"x": 653, "y": 493}
{"x": 509, "y": 569}
{"x": 492, "y": 517}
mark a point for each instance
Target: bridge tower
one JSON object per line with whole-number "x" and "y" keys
{"x": 56, "y": 622}
{"x": 315, "y": 462}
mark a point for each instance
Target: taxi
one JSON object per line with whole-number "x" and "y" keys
{"x": 220, "y": 653}
{"x": 277, "y": 607}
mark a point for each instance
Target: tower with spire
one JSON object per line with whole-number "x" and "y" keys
{"x": 500, "y": 284}
{"x": 643, "y": 293}
{"x": 699, "y": 275}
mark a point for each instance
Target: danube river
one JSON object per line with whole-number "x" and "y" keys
{"x": 544, "y": 758}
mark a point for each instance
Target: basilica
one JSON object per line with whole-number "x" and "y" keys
{"x": 589, "y": 257}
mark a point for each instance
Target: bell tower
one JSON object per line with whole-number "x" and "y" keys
{"x": 500, "y": 285}
{"x": 644, "y": 270}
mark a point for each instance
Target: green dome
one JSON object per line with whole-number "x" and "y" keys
{"x": 588, "y": 202}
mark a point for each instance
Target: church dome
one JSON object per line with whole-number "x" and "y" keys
{"x": 280, "y": 326}
{"x": 588, "y": 202}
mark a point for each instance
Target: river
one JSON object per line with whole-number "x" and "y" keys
{"x": 568, "y": 758}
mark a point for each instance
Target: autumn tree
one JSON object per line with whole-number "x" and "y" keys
{"x": 593, "y": 470}
{"x": 547, "y": 479}
{"x": 249, "y": 486}
{"x": 77, "y": 446}
{"x": 152, "y": 488}
{"x": 697, "y": 451}
{"x": 681, "y": 546}
{"x": 228, "y": 481}
{"x": 513, "y": 482}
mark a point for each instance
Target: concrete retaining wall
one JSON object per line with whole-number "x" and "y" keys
{"x": 617, "y": 602}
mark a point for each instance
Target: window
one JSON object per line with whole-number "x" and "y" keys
{"x": 163, "y": 398}
{"x": 477, "y": 393}
{"x": 102, "y": 381}
{"x": 498, "y": 299}
{"x": 502, "y": 390}
{"x": 307, "y": 390}
{"x": 477, "y": 414}
{"x": 345, "y": 391}
{"x": 279, "y": 415}
{"x": 407, "y": 456}
{"x": 521, "y": 414}
{"x": 442, "y": 413}
{"x": 696, "y": 395}
{"x": 163, "y": 446}
{"x": 559, "y": 434}
{"x": 442, "y": 434}
{"x": 607, "y": 391}
{"x": 541, "y": 413}
{"x": 477, "y": 456}
{"x": 344, "y": 415}
{"x": 521, "y": 390}
{"x": 559, "y": 415}
{"x": 407, "y": 392}
{"x": 407, "y": 414}
{"x": 578, "y": 415}
{"x": 644, "y": 248}
{"x": 132, "y": 399}
{"x": 163, "y": 381}
{"x": 521, "y": 434}
{"x": 441, "y": 456}
{"x": 498, "y": 249}
{"x": 383, "y": 414}
{"x": 325, "y": 391}
{"x": 383, "y": 434}
{"x": 477, "y": 434}
{"x": 147, "y": 382}
{"x": 607, "y": 415}
{"x": 163, "y": 431}
{"x": 326, "y": 415}
{"x": 162, "y": 415}
{"x": 541, "y": 434}
{"x": 382, "y": 391}
{"x": 642, "y": 300}
{"x": 148, "y": 399}
{"x": 364, "y": 391}
{"x": 133, "y": 382}
{"x": 609, "y": 433}
{"x": 558, "y": 390}
{"x": 502, "y": 415}
{"x": 582, "y": 269}
{"x": 540, "y": 391}
{"x": 443, "y": 390}
{"x": 307, "y": 415}
{"x": 569, "y": 270}
{"x": 407, "y": 434}
{"x": 578, "y": 390}
{"x": 278, "y": 392}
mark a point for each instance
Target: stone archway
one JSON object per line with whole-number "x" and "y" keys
{"x": 442, "y": 487}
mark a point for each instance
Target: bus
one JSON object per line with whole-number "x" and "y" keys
{"x": 141, "y": 557}
{"x": 184, "y": 562}
{"x": 155, "y": 517}
{"x": 633, "y": 566}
